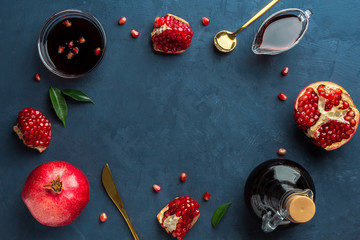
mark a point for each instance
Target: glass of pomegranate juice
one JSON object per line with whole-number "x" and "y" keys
{"x": 71, "y": 43}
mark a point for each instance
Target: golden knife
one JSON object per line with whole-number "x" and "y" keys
{"x": 113, "y": 193}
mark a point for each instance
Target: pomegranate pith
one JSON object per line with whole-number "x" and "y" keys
{"x": 178, "y": 217}
{"x": 33, "y": 129}
{"x": 327, "y": 114}
{"x": 171, "y": 34}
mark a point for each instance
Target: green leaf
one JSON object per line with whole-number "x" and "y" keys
{"x": 219, "y": 213}
{"x": 77, "y": 95}
{"x": 59, "y": 103}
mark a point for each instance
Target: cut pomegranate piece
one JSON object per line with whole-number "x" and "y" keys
{"x": 33, "y": 129}
{"x": 171, "y": 34}
{"x": 179, "y": 216}
{"x": 327, "y": 114}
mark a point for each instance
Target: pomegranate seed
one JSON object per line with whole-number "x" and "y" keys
{"x": 97, "y": 51}
{"x": 37, "y": 77}
{"x": 205, "y": 21}
{"x": 134, "y": 33}
{"x": 67, "y": 23}
{"x": 70, "y": 55}
{"x": 281, "y": 151}
{"x": 282, "y": 96}
{"x": 207, "y": 196}
{"x": 183, "y": 177}
{"x": 70, "y": 44}
{"x": 76, "y": 50}
{"x": 103, "y": 217}
{"x": 61, "y": 49}
{"x": 81, "y": 40}
{"x": 285, "y": 71}
{"x": 156, "y": 188}
{"x": 122, "y": 20}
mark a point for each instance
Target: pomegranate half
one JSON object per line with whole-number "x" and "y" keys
{"x": 55, "y": 193}
{"x": 171, "y": 34}
{"x": 327, "y": 114}
{"x": 178, "y": 216}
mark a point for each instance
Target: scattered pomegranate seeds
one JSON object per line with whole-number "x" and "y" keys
{"x": 103, "y": 217}
{"x": 205, "y": 21}
{"x": 183, "y": 177}
{"x": 67, "y": 23}
{"x": 37, "y": 77}
{"x": 61, "y": 49}
{"x": 81, "y": 40}
{"x": 285, "y": 71}
{"x": 97, "y": 51}
{"x": 282, "y": 96}
{"x": 156, "y": 188}
{"x": 134, "y": 33}
{"x": 122, "y": 20}
{"x": 75, "y": 50}
{"x": 70, "y": 55}
{"x": 281, "y": 151}
{"x": 207, "y": 196}
{"x": 70, "y": 44}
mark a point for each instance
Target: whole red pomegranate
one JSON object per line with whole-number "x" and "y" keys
{"x": 171, "y": 34}
{"x": 178, "y": 216}
{"x": 327, "y": 114}
{"x": 56, "y": 193}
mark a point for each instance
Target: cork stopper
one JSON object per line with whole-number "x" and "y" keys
{"x": 300, "y": 208}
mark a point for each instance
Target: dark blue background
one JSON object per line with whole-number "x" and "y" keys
{"x": 210, "y": 115}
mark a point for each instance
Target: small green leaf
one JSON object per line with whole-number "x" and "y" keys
{"x": 77, "y": 95}
{"x": 59, "y": 103}
{"x": 219, "y": 213}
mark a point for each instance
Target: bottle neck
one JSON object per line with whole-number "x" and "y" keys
{"x": 297, "y": 205}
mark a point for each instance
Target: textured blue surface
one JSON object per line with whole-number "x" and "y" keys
{"x": 210, "y": 115}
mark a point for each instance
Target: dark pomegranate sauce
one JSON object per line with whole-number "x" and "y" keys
{"x": 74, "y": 45}
{"x": 281, "y": 32}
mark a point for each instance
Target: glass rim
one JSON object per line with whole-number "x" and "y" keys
{"x": 47, "y": 27}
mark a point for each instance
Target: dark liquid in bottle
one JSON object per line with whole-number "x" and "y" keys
{"x": 268, "y": 182}
{"x": 61, "y": 35}
{"x": 280, "y": 32}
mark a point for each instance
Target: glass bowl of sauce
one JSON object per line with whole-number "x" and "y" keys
{"x": 71, "y": 43}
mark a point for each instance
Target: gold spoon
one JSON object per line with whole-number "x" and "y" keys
{"x": 225, "y": 41}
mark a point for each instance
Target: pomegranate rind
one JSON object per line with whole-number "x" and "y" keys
{"x": 312, "y": 132}
{"x": 160, "y": 217}
{"x": 159, "y": 30}
{"x": 21, "y": 137}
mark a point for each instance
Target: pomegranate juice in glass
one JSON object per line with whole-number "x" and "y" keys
{"x": 71, "y": 43}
